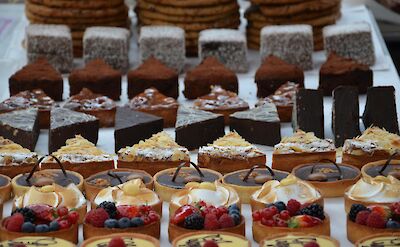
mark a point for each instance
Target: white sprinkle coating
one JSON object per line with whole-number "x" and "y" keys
{"x": 171, "y": 32}
{"x": 106, "y": 32}
{"x": 49, "y": 30}
{"x": 346, "y": 29}
{"x": 222, "y": 35}
{"x": 286, "y": 29}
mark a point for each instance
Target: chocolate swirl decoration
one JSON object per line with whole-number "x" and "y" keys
{"x": 322, "y": 177}
{"x": 260, "y": 179}
{"x": 395, "y": 174}
{"x": 189, "y": 178}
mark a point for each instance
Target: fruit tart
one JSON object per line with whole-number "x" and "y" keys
{"x": 221, "y": 101}
{"x": 26, "y": 99}
{"x": 41, "y": 220}
{"x": 331, "y": 179}
{"x": 37, "y": 241}
{"x": 81, "y": 156}
{"x": 230, "y": 153}
{"x": 133, "y": 193}
{"x": 122, "y": 240}
{"x": 284, "y": 190}
{"x": 299, "y": 239}
{"x": 382, "y": 239}
{"x": 211, "y": 239}
{"x": 102, "y": 107}
{"x": 169, "y": 181}
{"x": 153, "y": 155}
{"x": 153, "y": 102}
{"x": 108, "y": 218}
{"x": 114, "y": 177}
{"x": 194, "y": 218}
{"x": 247, "y": 181}
{"x": 55, "y": 196}
{"x": 290, "y": 217}
{"x": 363, "y": 221}
{"x": 301, "y": 148}
{"x": 373, "y": 145}
{"x": 14, "y": 159}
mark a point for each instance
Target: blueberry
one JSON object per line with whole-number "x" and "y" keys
{"x": 280, "y": 206}
{"x": 236, "y": 218}
{"x": 234, "y": 211}
{"x": 111, "y": 223}
{"x": 137, "y": 221}
{"x": 42, "y": 228}
{"x": 233, "y": 207}
{"x": 393, "y": 224}
{"x": 28, "y": 227}
{"x": 54, "y": 226}
{"x": 124, "y": 222}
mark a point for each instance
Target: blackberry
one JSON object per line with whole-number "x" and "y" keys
{"x": 29, "y": 214}
{"x": 314, "y": 210}
{"x": 194, "y": 221}
{"x": 110, "y": 208}
{"x": 355, "y": 209}
{"x": 280, "y": 206}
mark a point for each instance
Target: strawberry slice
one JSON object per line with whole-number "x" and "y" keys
{"x": 44, "y": 213}
{"x": 127, "y": 211}
{"x": 182, "y": 213}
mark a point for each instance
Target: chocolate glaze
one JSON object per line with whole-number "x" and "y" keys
{"x": 165, "y": 178}
{"x": 237, "y": 177}
{"x": 4, "y": 181}
{"x": 56, "y": 175}
{"x": 374, "y": 171}
{"x": 329, "y": 169}
{"x": 104, "y": 180}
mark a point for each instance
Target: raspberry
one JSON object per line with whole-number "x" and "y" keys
{"x": 14, "y": 222}
{"x": 362, "y": 217}
{"x": 281, "y": 223}
{"x": 97, "y": 217}
{"x": 64, "y": 224}
{"x": 226, "y": 221}
{"x": 256, "y": 215}
{"x": 395, "y": 208}
{"x": 222, "y": 210}
{"x": 210, "y": 243}
{"x": 311, "y": 244}
{"x": 153, "y": 216}
{"x": 211, "y": 222}
{"x": 267, "y": 213}
{"x": 355, "y": 208}
{"x": 62, "y": 211}
{"x": 194, "y": 221}
{"x": 284, "y": 215}
{"x": 273, "y": 209}
{"x": 376, "y": 220}
{"x": 293, "y": 207}
{"x": 267, "y": 222}
{"x": 73, "y": 217}
{"x": 116, "y": 242}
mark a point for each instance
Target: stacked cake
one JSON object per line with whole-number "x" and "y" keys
{"x": 317, "y": 13}
{"x": 78, "y": 15}
{"x": 193, "y": 16}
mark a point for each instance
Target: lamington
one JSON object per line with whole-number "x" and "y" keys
{"x": 291, "y": 43}
{"x": 229, "y": 46}
{"x": 53, "y": 42}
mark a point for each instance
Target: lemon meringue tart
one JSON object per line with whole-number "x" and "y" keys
{"x": 383, "y": 239}
{"x": 169, "y": 181}
{"x": 14, "y": 159}
{"x": 220, "y": 239}
{"x": 157, "y": 153}
{"x": 230, "y": 153}
{"x": 373, "y": 145}
{"x": 81, "y": 156}
{"x": 33, "y": 241}
{"x": 247, "y": 181}
{"x": 114, "y": 177}
{"x": 129, "y": 239}
{"x": 301, "y": 148}
{"x": 282, "y": 191}
{"x": 298, "y": 239}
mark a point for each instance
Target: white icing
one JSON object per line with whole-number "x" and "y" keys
{"x": 286, "y": 29}
{"x": 222, "y": 35}
{"x": 314, "y": 146}
{"x": 333, "y": 30}
{"x": 170, "y": 32}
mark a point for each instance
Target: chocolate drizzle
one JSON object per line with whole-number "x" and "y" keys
{"x": 326, "y": 172}
{"x": 322, "y": 177}
{"x": 260, "y": 179}
{"x": 184, "y": 164}
{"x": 393, "y": 172}
{"x": 255, "y": 176}
{"x": 116, "y": 177}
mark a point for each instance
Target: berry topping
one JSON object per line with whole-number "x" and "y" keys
{"x": 111, "y": 223}
{"x": 44, "y": 213}
{"x": 395, "y": 207}
{"x": 14, "y": 222}
{"x": 126, "y": 211}
{"x": 315, "y": 210}
{"x": 293, "y": 207}
{"x": 303, "y": 221}
{"x": 226, "y": 221}
{"x": 42, "y": 228}
{"x": 210, "y": 243}
{"x": 62, "y": 211}
{"x": 97, "y": 217}
{"x": 376, "y": 220}
{"x": 64, "y": 224}
{"x": 362, "y": 217}
{"x": 136, "y": 222}
{"x": 182, "y": 213}
{"x": 384, "y": 211}
{"x": 393, "y": 224}
{"x": 194, "y": 221}
{"x": 28, "y": 214}
{"x": 211, "y": 222}
{"x": 73, "y": 217}
{"x": 355, "y": 208}
{"x": 124, "y": 222}
{"x": 280, "y": 206}
{"x": 28, "y": 227}
{"x": 110, "y": 208}
{"x": 54, "y": 226}
{"x": 117, "y": 242}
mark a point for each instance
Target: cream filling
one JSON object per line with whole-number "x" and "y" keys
{"x": 310, "y": 147}
{"x": 154, "y": 154}
{"x": 6, "y": 158}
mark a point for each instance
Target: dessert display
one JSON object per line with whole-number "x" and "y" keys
{"x": 53, "y": 42}
{"x": 109, "y": 218}
{"x": 308, "y": 112}
{"x": 122, "y": 239}
{"x": 373, "y": 145}
{"x": 331, "y": 179}
{"x": 299, "y": 239}
{"x": 205, "y": 217}
{"x": 98, "y": 77}
{"x": 221, "y": 101}
{"x": 114, "y": 177}
{"x": 351, "y": 41}
{"x": 230, "y": 153}
{"x": 248, "y": 181}
{"x": 35, "y": 241}
{"x": 15, "y": 159}
{"x": 210, "y": 72}
{"x": 365, "y": 221}
{"x": 153, "y": 73}
{"x": 169, "y": 181}
{"x": 35, "y": 98}
{"x": 290, "y": 217}
{"x": 211, "y": 239}
{"x": 41, "y": 220}
{"x": 283, "y": 99}
{"x": 153, "y": 102}
{"x": 131, "y": 127}
{"x": 229, "y": 46}
{"x": 341, "y": 71}
{"x": 386, "y": 117}
{"x": 259, "y": 125}
{"x": 165, "y": 43}
{"x": 5, "y": 188}
{"x": 21, "y": 126}
{"x": 385, "y": 239}
{"x": 345, "y": 114}
{"x": 208, "y": 127}
{"x": 302, "y": 148}
{"x": 102, "y": 107}
{"x": 154, "y": 154}
{"x": 277, "y": 40}
{"x": 37, "y": 75}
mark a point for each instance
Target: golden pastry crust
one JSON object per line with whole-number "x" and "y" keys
{"x": 300, "y": 235}
{"x": 151, "y": 167}
{"x": 288, "y": 161}
{"x": 356, "y": 232}
{"x": 155, "y": 242}
{"x": 361, "y": 160}
{"x": 86, "y": 169}
{"x": 5, "y": 191}
{"x": 225, "y": 165}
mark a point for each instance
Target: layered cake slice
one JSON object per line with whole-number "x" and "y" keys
{"x": 81, "y": 156}
{"x": 195, "y": 128}
{"x": 154, "y": 154}
{"x": 21, "y": 126}
{"x": 65, "y": 124}
{"x": 260, "y": 125}
{"x": 230, "y": 153}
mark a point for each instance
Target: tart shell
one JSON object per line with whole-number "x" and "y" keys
{"x": 132, "y": 235}
{"x": 225, "y": 165}
{"x": 256, "y": 205}
{"x": 356, "y": 232}
{"x": 86, "y": 169}
{"x": 150, "y": 167}
{"x": 288, "y": 161}
{"x": 360, "y": 160}
{"x": 13, "y": 170}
